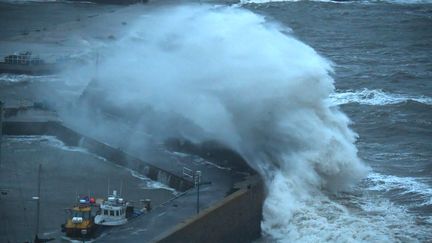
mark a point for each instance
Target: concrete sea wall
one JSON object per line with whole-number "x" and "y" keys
{"x": 72, "y": 138}
{"x": 235, "y": 219}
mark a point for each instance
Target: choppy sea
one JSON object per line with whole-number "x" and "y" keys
{"x": 381, "y": 52}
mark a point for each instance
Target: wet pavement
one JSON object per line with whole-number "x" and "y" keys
{"x": 66, "y": 172}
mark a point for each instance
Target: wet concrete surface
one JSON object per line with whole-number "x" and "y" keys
{"x": 78, "y": 171}
{"x": 218, "y": 180}
{"x": 66, "y": 173}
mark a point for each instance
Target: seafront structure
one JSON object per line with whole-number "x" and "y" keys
{"x": 230, "y": 200}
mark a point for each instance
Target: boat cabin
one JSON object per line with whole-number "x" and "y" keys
{"x": 23, "y": 58}
{"x": 113, "y": 211}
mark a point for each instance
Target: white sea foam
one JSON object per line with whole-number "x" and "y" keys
{"x": 375, "y": 97}
{"x": 341, "y": 1}
{"x": 405, "y": 185}
{"x": 276, "y": 1}
{"x": 43, "y": 1}
{"x": 226, "y": 74}
{"x": 48, "y": 140}
{"x": 55, "y": 142}
{"x": 402, "y": 1}
{"x": 399, "y": 223}
{"x": 223, "y": 73}
{"x": 150, "y": 184}
{"x": 13, "y": 78}
{"x": 199, "y": 160}
{"x": 22, "y": 78}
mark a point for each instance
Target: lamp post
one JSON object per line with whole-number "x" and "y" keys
{"x": 197, "y": 185}
{"x": 1, "y": 127}
{"x": 196, "y": 178}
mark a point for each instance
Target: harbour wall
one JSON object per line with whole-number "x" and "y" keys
{"x": 72, "y": 138}
{"x": 235, "y": 219}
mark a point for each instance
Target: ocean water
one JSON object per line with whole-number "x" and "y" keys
{"x": 381, "y": 52}
{"x": 330, "y": 101}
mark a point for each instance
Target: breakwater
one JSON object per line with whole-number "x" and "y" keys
{"x": 72, "y": 138}
{"x": 234, "y": 218}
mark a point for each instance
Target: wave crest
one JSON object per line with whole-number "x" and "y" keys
{"x": 375, "y": 97}
{"x": 341, "y": 1}
{"x": 226, "y": 74}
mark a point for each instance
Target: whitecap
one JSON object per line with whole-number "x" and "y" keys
{"x": 8, "y": 78}
{"x": 384, "y": 183}
{"x": 374, "y": 97}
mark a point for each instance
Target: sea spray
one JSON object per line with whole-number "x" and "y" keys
{"x": 226, "y": 74}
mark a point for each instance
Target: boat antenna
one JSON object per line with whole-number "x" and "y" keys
{"x": 121, "y": 188}
{"x": 108, "y": 186}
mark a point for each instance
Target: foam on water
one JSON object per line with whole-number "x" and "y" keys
{"x": 150, "y": 184}
{"x": 276, "y": 1}
{"x": 395, "y": 220}
{"x": 6, "y": 78}
{"x": 380, "y": 182}
{"x": 375, "y": 97}
{"x": 377, "y": 190}
{"x": 56, "y": 143}
{"x": 226, "y": 74}
{"x": 43, "y": 1}
{"x": 341, "y": 1}
{"x": 403, "y": 1}
{"x": 49, "y": 140}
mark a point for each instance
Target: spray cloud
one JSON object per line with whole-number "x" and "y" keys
{"x": 227, "y": 74}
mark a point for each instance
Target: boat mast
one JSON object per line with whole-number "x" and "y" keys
{"x": 108, "y": 186}
{"x": 38, "y": 202}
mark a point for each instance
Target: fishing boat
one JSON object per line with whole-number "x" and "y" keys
{"x": 114, "y": 211}
{"x": 25, "y": 63}
{"x": 80, "y": 222}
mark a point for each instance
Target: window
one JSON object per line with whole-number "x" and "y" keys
{"x": 111, "y": 213}
{"x": 117, "y": 213}
{"x": 105, "y": 212}
{"x": 76, "y": 214}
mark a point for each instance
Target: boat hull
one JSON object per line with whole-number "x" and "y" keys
{"x": 27, "y": 69}
{"x": 109, "y": 222}
{"x": 79, "y": 232}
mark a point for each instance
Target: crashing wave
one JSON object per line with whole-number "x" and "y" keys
{"x": 228, "y": 75}
{"x": 340, "y": 1}
{"x": 375, "y": 97}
